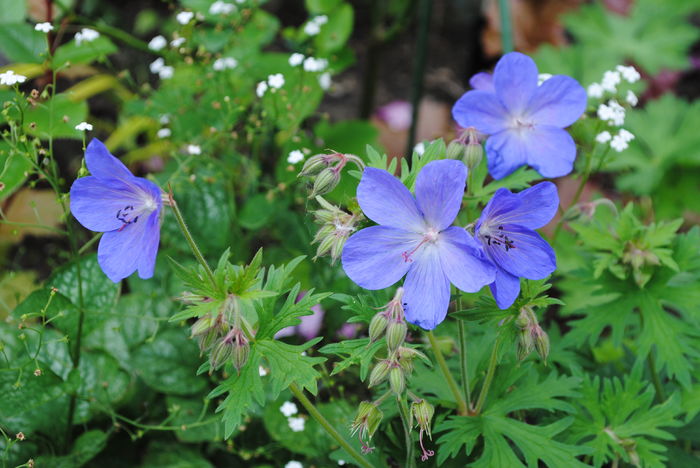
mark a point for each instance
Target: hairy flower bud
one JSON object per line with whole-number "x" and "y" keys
{"x": 366, "y": 423}
{"x": 379, "y": 373}
{"x": 395, "y": 334}
{"x": 524, "y": 345}
{"x": 325, "y": 182}
{"x": 316, "y": 164}
{"x": 541, "y": 343}
{"x": 377, "y": 326}
{"x": 220, "y": 354}
{"x": 455, "y": 150}
{"x": 241, "y": 351}
{"x": 473, "y": 151}
{"x": 423, "y": 412}
{"x": 397, "y": 381}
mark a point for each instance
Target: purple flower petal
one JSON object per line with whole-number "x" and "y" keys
{"x": 559, "y": 101}
{"x": 147, "y": 262}
{"x": 426, "y": 291}
{"x": 531, "y": 208}
{"x": 373, "y": 257}
{"x": 439, "y": 191}
{"x": 311, "y": 324}
{"x": 463, "y": 262}
{"x": 526, "y": 254}
{"x": 501, "y": 203}
{"x": 483, "y": 82}
{"x": 505, "y": 289}
{"x": 385, "y": 200}
{"x": 515, "y": 80}
{"x": 481, "y": 110}
{"x": 120, "y": 252}
{"x": 102, "y": 164}
{"x": 95, "y": 202}
{"x": 505, "y": 152}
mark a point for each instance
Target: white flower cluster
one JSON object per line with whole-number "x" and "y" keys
{"x": 611, "y": 79}
{"x": 289, "y": 409}
{"x": 293, "y": 464}
{"x": 295, "y": 156}
{"x": 177, "y": 42}
{"x": 184, "y": 17}
{"x": 275, "y": 81}
{"x": 312, "y": 64}
{"x": 313, "y": 27}
{"x": 157, "y": 43}
{"x": 194, "y": 149}
{"x": 159, "y": 67}
{"x": 83, "y": 127}
{"x": 612, "y": 112}
{"x": 221, "y": 8}
{"x": 10, "y": 78}
{"x": 619, "y": 142}
{"x": 225, "y": 63}
{"x": 86, "y": 35}
{"x": 296, "y": 59}
{"x": 43, "y": 27}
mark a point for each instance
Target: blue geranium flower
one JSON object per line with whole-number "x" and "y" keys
{"x": 525, "y": 121}
{"x": 506, "y": 232}
{"x": 126, "y": 208}
{"x": 414, "y": 238}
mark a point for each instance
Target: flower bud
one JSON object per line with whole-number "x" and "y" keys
{"x": 241, "y": 351}
{"x": 423, "y": 412}
{"x": 379, "y": 373}
{"x": 397, "y": 382}
{"x": 315, "y": 164}
{"x": 366, "y": 421}
{"x": 325, "y": 182}
{"x": 220, "y": 354}
{"x": 542, "y": 343}
{"x": 455, "y": 150}
{"x": 202, "y": 325}
{"x": 524, "y": 345}
{"x": 377, "y": 326}
{"x": 395, "y": 334}
{"x": 473, "y": 151}
{"x": 405, "y": 358}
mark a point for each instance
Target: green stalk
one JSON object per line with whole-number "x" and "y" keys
{"x": 493, "y": 361}
{"x": 506, "y": 26}
{"x": 306, "y": 403}
{"x": 463, "y": 361}
{"x": 660, "y": 396}
{"x": 405, "y": 418}
{"x": 461, "y": 404}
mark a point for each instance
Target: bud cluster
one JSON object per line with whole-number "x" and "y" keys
{"x": 530, "y": 335}
{"x": 642, "y": 259}
{"x": 467, "y": 148}
{"x": 326, "y": 168}
{"x": 336, "y": 227}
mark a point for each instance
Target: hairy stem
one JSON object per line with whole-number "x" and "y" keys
{"x": 405, "y": 418}
{"x": 461, "y": 404}
{"x": 463, "y": 362}
{"x": 306, "y": 403}
{"x": 493, "y": 361}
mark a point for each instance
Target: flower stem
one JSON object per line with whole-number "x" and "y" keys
{"x": 463, "y": 362}
{"x": 506, "y": 26}
{"x": 190, "y": 240}
{"x": 493, "y": 361}
{"x": 313, "y": 411}
{"x": 461, "y": 404}
{"x": 403, "y": 412}
{"x": 660, "y": 396}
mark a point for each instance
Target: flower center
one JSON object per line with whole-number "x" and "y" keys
{"x": 429, "y": 237}
{"x": 496, "y": 237}
{"x": 130, "y": 214}
{"x": 521, "y": 123}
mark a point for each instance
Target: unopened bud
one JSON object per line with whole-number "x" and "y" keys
{"x": 473, "y": 151}
{"x": 423, "y": 412}
{"x": 405, "y": 358}
{"x": 397, "y": 382}
{"x": 524, "y": 344}
{"x": 202, "y": 325}
{"x": 541, "y": 343}
{"x": 315, "y": 164}
{"x": 241, "y": 351}
{"x": 395, "y": 334}
{"x": 379, "y": 373}
{"x": 325, "y": 182}
{"x": 455, "y": 150}
{"x": 220, "y": 354}
{"x": 367, "y": 420}
{"x": 377, "y": 326}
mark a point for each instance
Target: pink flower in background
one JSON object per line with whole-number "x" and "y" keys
{"x": 397, "y": 115}
{"x": 310, "y": 324}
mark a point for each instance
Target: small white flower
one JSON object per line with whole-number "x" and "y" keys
{"x": 311, "y": 28}
{"x": 194, "y": 149}
{"x": 296, "y": 59}
{"x": 320, "y": 20}
{"x": 630, "y": 74}
{"x": 86, "y": 35}
{"x": 157, "y": 65}
{"x": 419, "y": 148}
{"x": 261, "y": 89}
{"x": 632, "y": 98}
{"x": 164, "y": 133}
{"x": 262, "y": 371}
{"x": 619, "y": 144}
{"x": 324, "y": 80}
{"x": 293, "y": 464}
{"x": 542, "y": 77}
{"x": 295, "y": 157}
{"x": 603, "y": 137}
{"x": 10, "y": 78}
{"x": 625, "y": 135}
{"x": 221, "y": 8}
{"x": 43, "y": 27}
{"x": 276, "y": 81}
{"x": 177, "y": 42}
{"x": 315, "y": 65}
{"x": 595, "y": 90}
{"x": 157, "y": 43}
{"x": 184, "y": 17}
{"x": 288, "y": 409}
{"x": 224, "y": 63}
{"x": 164, "y": 119}
{"x": 83, "y": 126}
{"x": 296, "y": 424}
{"x": 341, "y": 462}
{"x": 612, "y": 112}
{"x": 610, "y": 80}
{"x": 166, "y": 72}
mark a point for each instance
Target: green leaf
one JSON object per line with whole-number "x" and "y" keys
{"x": 336, "y": 32}
{"x": 162, "y": 454}
{"x": 288, "y": 365}
{"x": 19, "y": 42}
{"x": 14, "y": 169}
{"x": 85, "y": 448}
{"x": 12, "y": 11}
{"x": 56, "y": 117}
{"x": 354, "y": 352}
{"x": 85, "y": 53}
{"x": 168, "y": 364}
{"x": 189, "y": 413}
{"x": 99, "y": 293}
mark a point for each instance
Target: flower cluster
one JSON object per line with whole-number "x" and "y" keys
{"x": 274, "y": 81}
{"x": 225, "y": 63}
{"x": 313, "y": 27}
{"x": 221, "y": 8}
{"x": 158, "y": 67}
{"x": 86, "y": 35}
{"x": 289, "y": 409}
{"x": 525, "y": 121}
{"x": 10, "y": 78}
{"x": 326, "y": 170}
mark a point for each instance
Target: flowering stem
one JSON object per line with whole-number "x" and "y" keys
{"x": 463, "y": 361}
{"x": 506, "y": 26}
{"x": 306, "y": 403}
{"x": 461, "y": 404}
{"x": 403, "y": 412}
{"x": 493, "y": 361}
{"x": 190, "y": 240}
